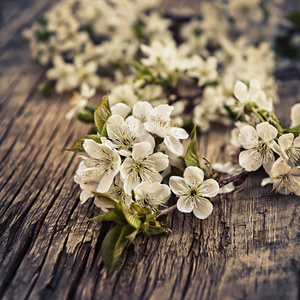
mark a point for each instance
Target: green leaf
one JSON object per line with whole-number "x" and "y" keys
{"x": 94, "y": 137}
{"x": 157, "y": 230}
{"x": 133, "y": 220}
{"x": 294, "y": 130}
{"x": 191, "y": 157}
{"x": 77, "y": 146}
{"x": 85, "y": 116}
{"x": 132, "y": 236}
{"x": 102, "y": 113}
{"x": 114, "y": 244}
{"x": 109, "y": 216}
{"x": 295, "y": 18}
{"x": 106, "y": 199}
{"x": 104, "y": 131}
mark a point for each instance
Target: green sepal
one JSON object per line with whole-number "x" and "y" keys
{"x": 132, "y": 220}
{"x": 132, "y": 236}
{"x": 114, "y": 243}
{"x": 106, "y": 199}
{"x": 77, "y": 146}
{"x": 94, "y": 137}
{"x": 294, "y": 130}
{"x": 101, "y": 115}
{"x": 157, "y": 230}
{"x": 109, "y": 216}
{"x": 191, "y": 157}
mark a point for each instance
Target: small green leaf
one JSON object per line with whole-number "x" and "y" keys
{"x": 133, "y": 220}
{"x": 109, "y": 216}
{"x": 106, "y": 198}
{"x": 132, "y": 236}
{"x": 85, "y": 116}
{"x": 77, "y": 146}
{"x": 102, "y": 113}
{"x": 114, "y": 244}
{"x": 294, "y": 130}
{"x": 157, "y": 230}
{"x": 191, "y": 157}
{"x": 94, "y": 137}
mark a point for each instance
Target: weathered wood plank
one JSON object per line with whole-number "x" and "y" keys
{"x": 247, "y": 249}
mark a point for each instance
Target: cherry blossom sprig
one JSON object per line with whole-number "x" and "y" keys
{"x": 133, "y": 164}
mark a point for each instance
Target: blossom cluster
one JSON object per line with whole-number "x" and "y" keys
{"x": 135, "y": 153}
{"x": 260, "y": 139}
{"x": 232, "y": 41}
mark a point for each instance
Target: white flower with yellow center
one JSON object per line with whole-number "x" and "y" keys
{"x": 124, "y": 134}
{"x": 142, "y": 166}
{"x": 291, "y": 147}
{"x": 284, "y": 178}
{"x": 258, "y": 143}
{"x": 152, "y": 194}
{"x": 96, "y": 172}
{"x": 159, "y": 122}
{"x": 193, "y": 192}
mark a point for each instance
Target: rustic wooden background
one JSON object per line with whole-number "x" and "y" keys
{"x": 247, "y": 249}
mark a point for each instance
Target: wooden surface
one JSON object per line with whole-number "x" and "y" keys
{"x": 247, "y": 249}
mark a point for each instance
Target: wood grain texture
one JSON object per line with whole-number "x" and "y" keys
{"x": 247, "y": 249}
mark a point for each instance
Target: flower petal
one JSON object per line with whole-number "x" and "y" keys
{"x": 248, "y": 137}
{"x": 160, "y": 160}
{"x": 179, "y": 133}
{"x": 203, "y": 208}
{"x": 241, "y": 91}
{"x": 193, "y": 176}
{"x": 286, "y": 140}
{"x": 163, "y": 110}
{"x": 183, "y": 205}
{"x": 120, "y": 109}
{"x": 94, "y": 149}
{"x": 174, "y": 145}
{"x": 254, "y": 89}
{"x": 209, "y": 188}
{"x": 268, "y": 161}
{"x": 105, "y": 181}
{"x": 251, "y": 160}
{"x": 266, "y": 131}
{"x": 141, "y": 150}
{"x": 178, "y": 185}
{"x": 295, "y": 115}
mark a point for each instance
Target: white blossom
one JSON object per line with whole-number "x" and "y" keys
{"x": 144, "y": 165}
{"x": 285, "y": 179}
{"x": 159, "y": 122}
{"x": 254, "y": 94}
{"x": 96, "y": 172}
{"x": 123, "y": 93}
{"x": 204, "y": 71}
{"x": 124, "y": 134}
{"x": 64, "y": 73}
{"x": 80, "y": 100}
{"x": 116, "y": 191}
{"x": 257, "y": 143}
{"x": 152, "y": 194}
{"x": 193, "y": 192}
{"x": 291, "y": 147}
